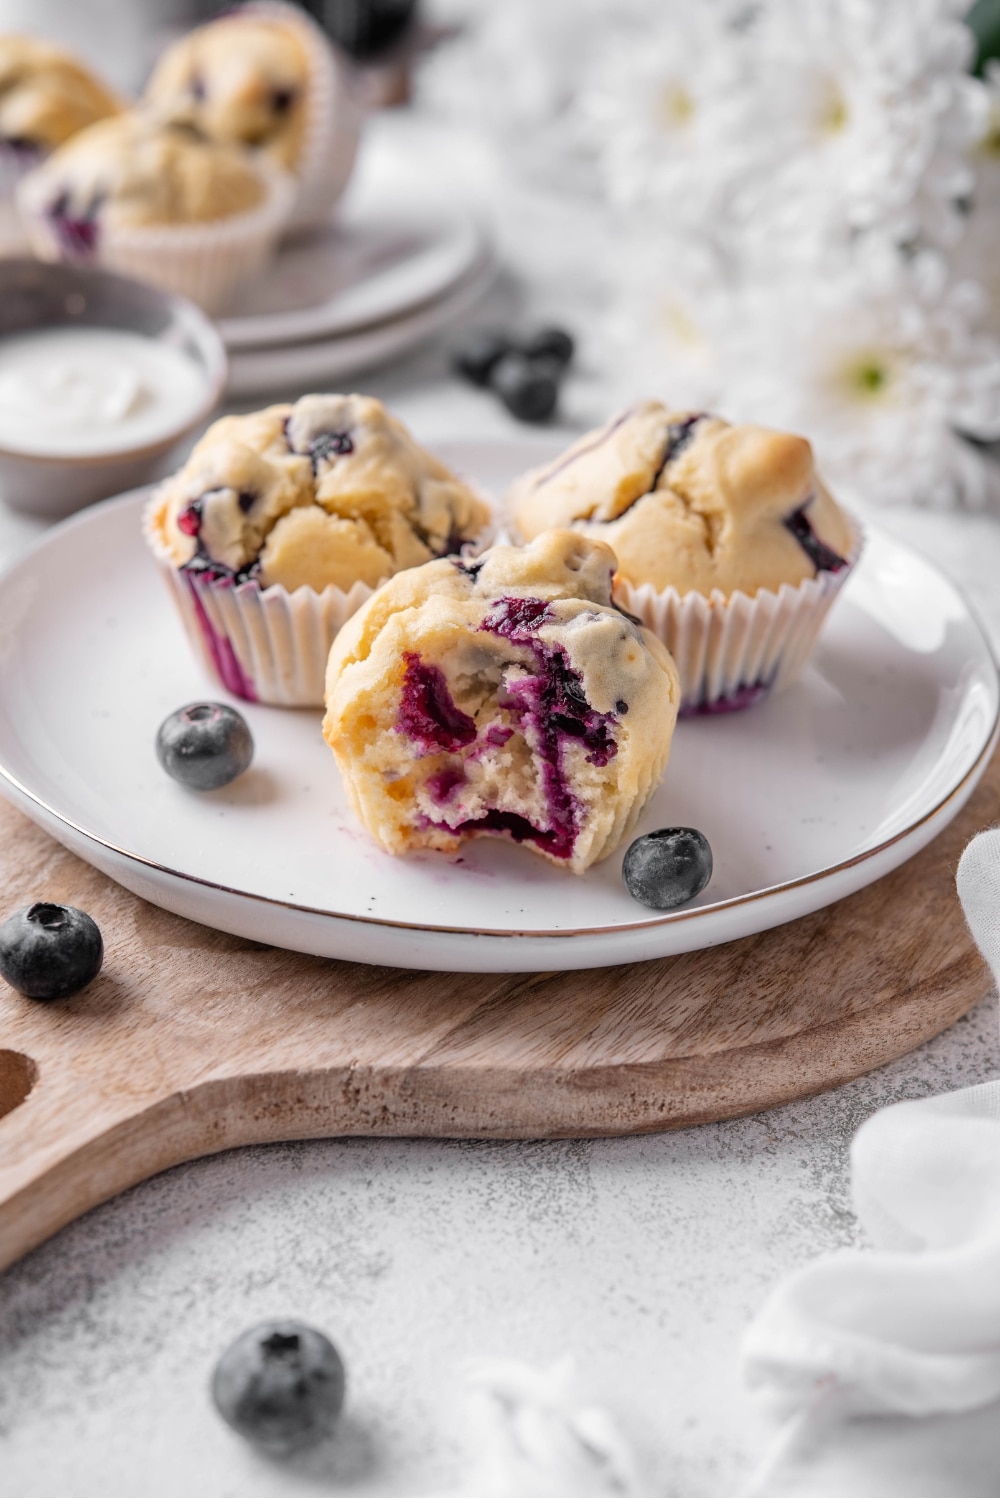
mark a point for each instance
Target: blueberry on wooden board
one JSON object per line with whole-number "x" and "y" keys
{"x": 667, "y": 868}
{"x": 281, "y": 1385}
{"x": 204, "y": 745}
{"x": 49, "y": 952}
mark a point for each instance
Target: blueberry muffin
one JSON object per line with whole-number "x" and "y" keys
{"x": 264, "y": 78}
{"x": 157, "y": 201}
{"x": 46, "y": 96}
{"x": 283, "y": 521}
{"x": 507, "y": 696}
{"x": 728, "y": 543}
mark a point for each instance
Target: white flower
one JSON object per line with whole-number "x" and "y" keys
{"x": 512, "y": 72}
{"x": 978, "y": 252}
{"x": 878, "y": 362}
{"x": 664, "y": 107}
{"x": 668, "y": 323}
{"x": 866, "y": 113}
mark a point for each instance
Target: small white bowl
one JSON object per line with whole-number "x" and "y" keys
{"x": 35, "y": 295}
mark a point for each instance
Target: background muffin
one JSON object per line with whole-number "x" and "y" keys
{"x": 728, "y": 543}
{"x": 508, "y": 697}
{"x": 158, "y": 202}
{"x": 282, "y": 522}
{"x": 266, "y": 79}
{"x": 46, "y": 97}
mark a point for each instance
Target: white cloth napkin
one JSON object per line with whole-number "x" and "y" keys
{"x": 888, "y": 1360}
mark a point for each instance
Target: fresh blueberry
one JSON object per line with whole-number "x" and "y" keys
{"x": 478, "y": 353}
{"x": 49, "y": 952}
{"x": 667, "y": 868}
{"x": 205, "y": 745}
{"x": 526, "y": 387}
{"x": 281, "y": 1385}
{"x": 550, "y": 343}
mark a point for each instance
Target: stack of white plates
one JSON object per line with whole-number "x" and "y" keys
{"x": 389, "y": 270}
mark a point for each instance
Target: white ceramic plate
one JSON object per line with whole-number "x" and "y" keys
{"x": 368, "y": 267}
{"x": 256, "y": 371}
{"x": 804, "y": 798}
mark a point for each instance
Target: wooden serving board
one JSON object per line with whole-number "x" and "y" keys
{"x": 191, "y": 1041}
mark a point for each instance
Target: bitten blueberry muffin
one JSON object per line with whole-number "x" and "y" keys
{"x": 265, "y": 78}
{"x": 504, "y": 696}
{"x": 729, "y": 546}
{"x": 688, "y": 501}
{"x": 282, "y": 522}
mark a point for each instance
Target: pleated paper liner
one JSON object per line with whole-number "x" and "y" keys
{"x": 731, "y": 650}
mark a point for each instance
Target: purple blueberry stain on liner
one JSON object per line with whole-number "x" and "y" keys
{"x": 77, "y": 233}
{"x": 740, "y": 698}
{"x": 220, "y": 649}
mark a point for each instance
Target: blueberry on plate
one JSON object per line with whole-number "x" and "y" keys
{"x": 49, "y": 952}
{"x": 527, "y": 387}
{"x": 667, "y": 868}
{"x": 281, "y": 1385}
{"x": 477, "y": 354}
{"x": 550, "y": 343}
{"x": 205, "y": 745}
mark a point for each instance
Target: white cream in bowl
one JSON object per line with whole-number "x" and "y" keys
{"x": 80, "y": 391}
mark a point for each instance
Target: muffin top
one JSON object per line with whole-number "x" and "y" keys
{"x": 505, "y": 695}
{"x": 690, "y": 502}
{"x": 329, "y": 490}
{"x": 131, "y": 172}
{"x": 46, "y": 96}
{"x": 242, "y": 79}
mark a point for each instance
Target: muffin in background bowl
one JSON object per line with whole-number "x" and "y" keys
{"x": 158, "y": 202}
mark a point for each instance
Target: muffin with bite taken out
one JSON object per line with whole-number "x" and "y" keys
{"x": 507, "y": 697}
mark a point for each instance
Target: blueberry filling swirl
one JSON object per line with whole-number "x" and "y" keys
{"x": 549, "y": 705}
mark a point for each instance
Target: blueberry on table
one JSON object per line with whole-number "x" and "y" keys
{"x": 49, "y": 952}
{"x": 478, "y": 353}
{"x": 204, "y": 745}
{"x": 281, "y": 1385}
{"x": 528, "y": 388}
{"x": 667, "y": 868}
{"x": 550, "y": 343}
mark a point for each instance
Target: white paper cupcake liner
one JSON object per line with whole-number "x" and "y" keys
{"x": 334, "y": 113}
{"x": 205, "y": 262}
{"x": 732, "y": 650}
{"x": 265, "y": 645}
